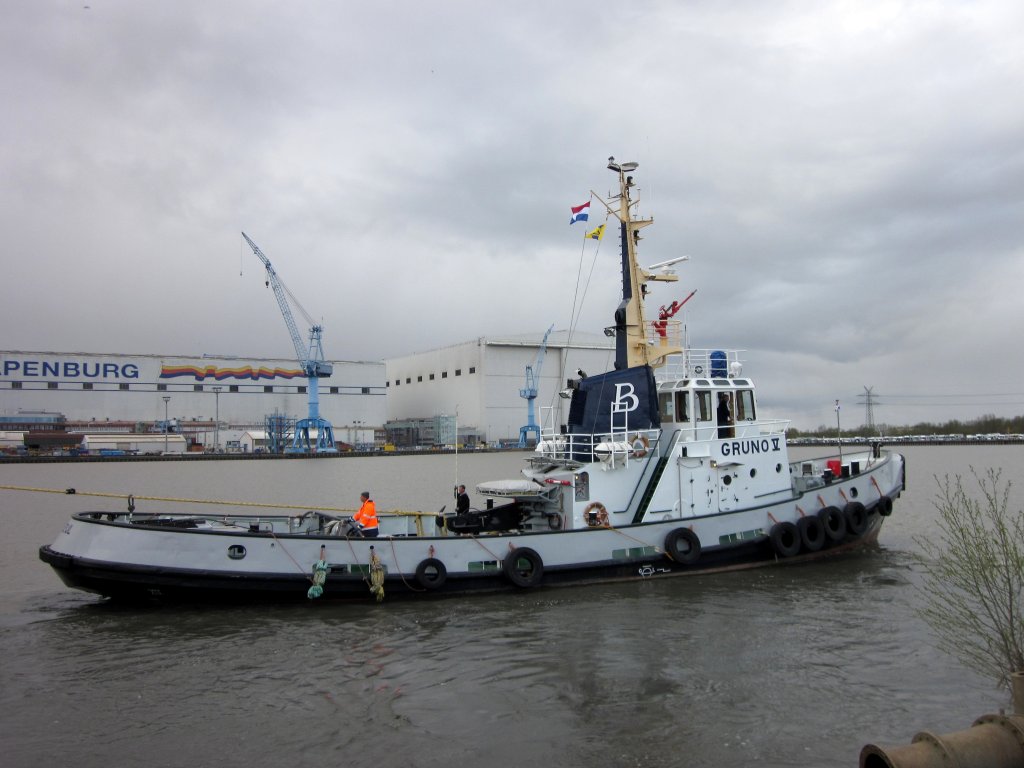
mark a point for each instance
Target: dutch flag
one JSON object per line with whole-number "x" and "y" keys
{"x": 580, "y": 212}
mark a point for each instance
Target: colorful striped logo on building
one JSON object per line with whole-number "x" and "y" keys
{"x": 201, "y": 373}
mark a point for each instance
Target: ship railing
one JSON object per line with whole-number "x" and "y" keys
{"x": 615, "y": 446}
{"x": 711, "y": 430}
{"x": 702, "y": 363}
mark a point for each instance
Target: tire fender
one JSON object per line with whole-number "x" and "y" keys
{"x": 812, "y": 532}
{"x": 431, "y": 573}
{"x": 785, "y": 539}
{"x": 833, "y": 522}
{"x": 884, "y": 506}
{"x": 683, "y": 546}
{"x": 856, "y": 518}
{"x": 529, "y": 576}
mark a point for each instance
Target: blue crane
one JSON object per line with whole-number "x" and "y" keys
{"x": 529, "y": 392}
{"x": 311, "y": 359}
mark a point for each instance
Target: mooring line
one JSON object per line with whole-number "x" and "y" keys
{"x": 175, "y": 500}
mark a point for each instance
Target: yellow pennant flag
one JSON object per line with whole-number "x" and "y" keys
{"x": 596, "y": 234}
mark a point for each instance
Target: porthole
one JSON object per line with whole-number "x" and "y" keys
{"x": 236, "y": 551}
{"x": 853, "y": 492}
{"x": 753, "y": 472}
{"x": 727, "y": 480}
{"x": 778, "y": 468}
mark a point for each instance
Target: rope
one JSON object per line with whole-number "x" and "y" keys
{"x": 376, "y": 576}
{"x": 171, "y": 499}
{"x": 633, "y": 538}
{"x": 485, "y": 549}
{"x": 283, "y": 549}
{"x": 355, "y": 559}
{"x": 401, "y": 575}
{"x": 320, "y": 571}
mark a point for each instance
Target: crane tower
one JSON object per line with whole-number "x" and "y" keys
{"x": 529, "y": 393}
{"x": 311, "y": 358}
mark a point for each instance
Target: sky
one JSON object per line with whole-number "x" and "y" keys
{"x": 846, "y": 177}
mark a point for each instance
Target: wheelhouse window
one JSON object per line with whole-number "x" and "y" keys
{"x": 745, "y": 405}
{"x": 666, "y": 405}
{"x": 682, "y": 405}
{"x": 704, "y": 411}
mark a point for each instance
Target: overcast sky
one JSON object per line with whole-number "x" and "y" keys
{"x": 848, "y": 178}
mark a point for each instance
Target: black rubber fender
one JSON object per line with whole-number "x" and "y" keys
{"x": 856, "y": 518}
{"x": 833, "y": 522}
{"x": 529, "y": 576}
{"x": 812, "y": 532}
{"x": 884, "y": 506}
{"x": 785, "y": 539}
{"x": 683, "y": 546}
{"x": 431, "y": 573}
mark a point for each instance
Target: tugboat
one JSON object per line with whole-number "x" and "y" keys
{"x": 662, "y": 468}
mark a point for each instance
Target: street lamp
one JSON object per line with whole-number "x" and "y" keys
{"x": 216, "y": 428}
{"x": 167, "y": 399}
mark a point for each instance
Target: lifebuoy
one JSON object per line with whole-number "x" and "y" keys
{"x": 884, "y": 506}
{"x": 833, "y": 522}
{"x": 785, "y": 539}
{"x": 856, "y": 518}
{"x": 431, "y": 573}
{"x": 640, "y": 446}
{"x": 595, "y": 514}
{"x": 520, "y": 574}
{"x": 812, "y": 532}
{"x": 683, "y": 546}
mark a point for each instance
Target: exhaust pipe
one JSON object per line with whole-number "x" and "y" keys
{"x": 993, "y": 741}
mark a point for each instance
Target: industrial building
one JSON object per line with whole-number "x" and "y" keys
{"x": 468, "y": 393}
{"x": 478, "y": 383}
{"x": 212, "y": 400}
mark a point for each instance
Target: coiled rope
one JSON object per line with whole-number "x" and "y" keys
{"x": 376, "y": 576}
{"x": 320, "y": 571}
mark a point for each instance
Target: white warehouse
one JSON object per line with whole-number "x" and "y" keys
{"x": 479, "y": 381}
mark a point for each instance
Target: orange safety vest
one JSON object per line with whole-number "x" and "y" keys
{"x": 367, "y": 515}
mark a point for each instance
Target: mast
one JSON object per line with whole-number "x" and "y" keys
{"x": 632, "y": 347}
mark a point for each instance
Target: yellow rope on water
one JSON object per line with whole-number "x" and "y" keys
{"x": 175, "y": 500}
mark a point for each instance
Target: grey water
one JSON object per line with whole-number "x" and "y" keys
{"x": 782, "y": 666}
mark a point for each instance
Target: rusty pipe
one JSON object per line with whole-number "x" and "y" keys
{"x": 993, "y": 741}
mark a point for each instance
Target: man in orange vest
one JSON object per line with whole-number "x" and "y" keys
{"x": 366, "y": 517}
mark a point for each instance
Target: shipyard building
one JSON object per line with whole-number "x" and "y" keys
{"x": 210, "y": 400}
{"x": 468, "y": 393}
{"x": 476, "y": 386}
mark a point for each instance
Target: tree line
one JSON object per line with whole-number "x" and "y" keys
{"x": 988, "y": 424}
